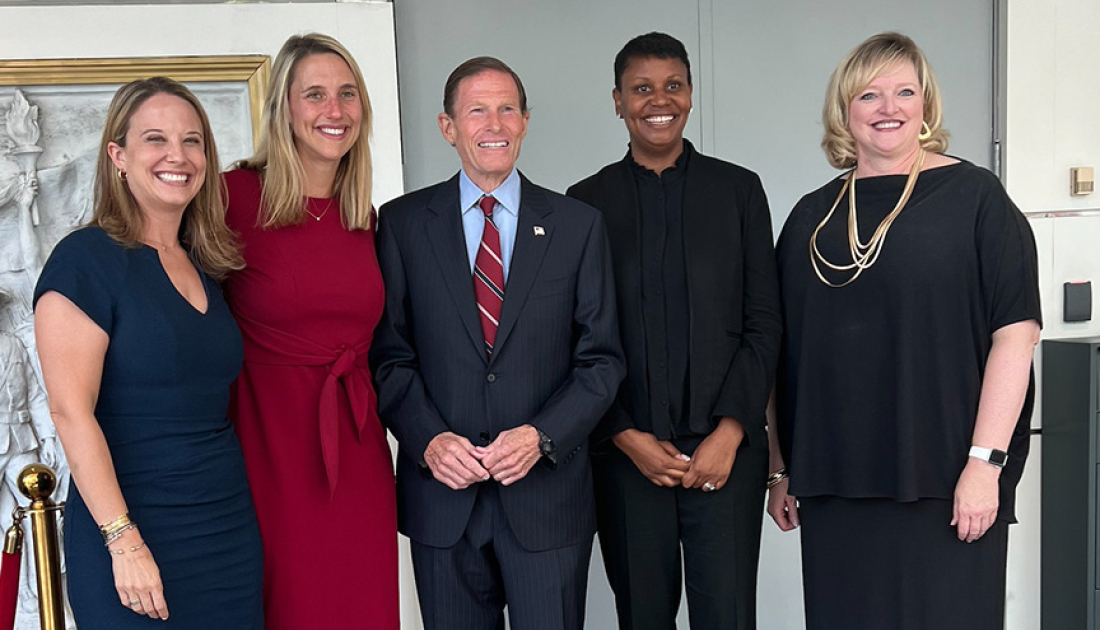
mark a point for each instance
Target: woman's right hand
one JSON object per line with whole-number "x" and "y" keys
{"x": 783, "y": 507}
{"x": 660, "y": 461}
{"x": 137, "y": 578}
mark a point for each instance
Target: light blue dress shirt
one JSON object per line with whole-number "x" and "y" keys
{"x": 505, "y": 216}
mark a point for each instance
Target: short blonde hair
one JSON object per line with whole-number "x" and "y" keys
{"x": 858, "y": 68}
{"x": 202, "y": 231}
{"x": 276, "y": 159}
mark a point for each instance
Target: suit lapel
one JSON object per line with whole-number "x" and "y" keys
{"x": 527, "y": 255}
{"x": 444, "y": 231}
{"x": 623, "y": 214}
{"x": 698, "y": 205}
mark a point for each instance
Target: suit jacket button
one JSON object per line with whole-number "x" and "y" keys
{"x": 491, "y": 377}
{"x": 484, "y": 436}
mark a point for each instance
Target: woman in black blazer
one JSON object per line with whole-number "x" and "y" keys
{"x": 680, "y": 460}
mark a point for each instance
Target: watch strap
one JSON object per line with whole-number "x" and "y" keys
{"x": 992, "y": 456}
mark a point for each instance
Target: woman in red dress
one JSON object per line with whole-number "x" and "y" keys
{"x": 307, "y": 303}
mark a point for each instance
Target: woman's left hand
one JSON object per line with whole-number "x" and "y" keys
{"x": 713, "y": 459}
{"x": 976, "y": 500}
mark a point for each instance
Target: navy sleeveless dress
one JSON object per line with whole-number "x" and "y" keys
{"x": 162, "y": 408}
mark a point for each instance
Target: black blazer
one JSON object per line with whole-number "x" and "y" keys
{"x": 557, "y": 362}
{"x": 733, "y": 290}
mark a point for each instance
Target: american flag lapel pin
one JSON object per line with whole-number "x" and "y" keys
{"x": 539, "y": 231}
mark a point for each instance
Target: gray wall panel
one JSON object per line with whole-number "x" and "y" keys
{"x": 562, "y": 50}
{"x": 772, "y": 62}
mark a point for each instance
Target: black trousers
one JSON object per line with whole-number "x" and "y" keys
{"x": 647, "y": 532}
{"x": 467, "y": 586}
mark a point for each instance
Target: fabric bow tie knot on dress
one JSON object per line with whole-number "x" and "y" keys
{"x": 341, "y": 371}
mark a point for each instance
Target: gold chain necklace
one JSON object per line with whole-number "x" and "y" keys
{"x": 318, "y": 217}
{"x": 863, "y": 255}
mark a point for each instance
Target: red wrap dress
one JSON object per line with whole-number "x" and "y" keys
{"x": 304, "y": 407}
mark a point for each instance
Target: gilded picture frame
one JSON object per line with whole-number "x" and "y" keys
{"x": 253, "y": 70}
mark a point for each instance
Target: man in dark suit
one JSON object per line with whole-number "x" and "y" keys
{"x": 497, "y": 355}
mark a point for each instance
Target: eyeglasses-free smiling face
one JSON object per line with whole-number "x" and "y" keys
{"x": 325, "y": 110}
{"x": 487, "y": 127}
{"x": 885, "y": 117}
{"x": 165, "y": 154}
{"x": 654, "y": 102}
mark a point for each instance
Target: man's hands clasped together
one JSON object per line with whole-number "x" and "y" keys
{"x": 456, "y": 462}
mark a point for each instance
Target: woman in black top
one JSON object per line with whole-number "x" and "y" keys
{"x": 904, "y": 390}
{"x": 680, "y": 459}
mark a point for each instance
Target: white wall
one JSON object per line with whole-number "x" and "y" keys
{"x": 1053, "y": 123}
{"x": 1053, "y": 90}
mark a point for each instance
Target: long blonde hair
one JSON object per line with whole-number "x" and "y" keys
{"x": 858, "y": 68}
{"x": 277, "y": 161}
{"x": 202, "y": 230}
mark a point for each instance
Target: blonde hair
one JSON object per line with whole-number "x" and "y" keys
{"x": 858, "y": 68}
{"x": 277, "y": 161}
{"x": 202, "y": 231}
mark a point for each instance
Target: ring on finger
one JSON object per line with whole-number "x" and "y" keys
{"x": 135, "y": 603}
{"x": 709, "y": 487}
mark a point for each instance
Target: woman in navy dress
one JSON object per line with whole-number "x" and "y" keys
{"x": 138, "y": 351}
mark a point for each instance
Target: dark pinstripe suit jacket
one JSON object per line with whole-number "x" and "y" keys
{"x": 557, "y": 363}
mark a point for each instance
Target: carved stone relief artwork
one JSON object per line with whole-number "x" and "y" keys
{"x": 49, "y": 136}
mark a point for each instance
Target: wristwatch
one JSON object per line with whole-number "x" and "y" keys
{"x": 546, "y": 446}
{"x": 992, "y": 456}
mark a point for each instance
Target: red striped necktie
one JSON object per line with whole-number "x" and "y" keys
{"x": 489, "y": 276}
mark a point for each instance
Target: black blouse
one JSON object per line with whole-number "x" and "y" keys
{"x": 880, "y": 380}
{"x": 664, "y": 297}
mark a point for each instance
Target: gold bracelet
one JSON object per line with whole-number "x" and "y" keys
{"x": 118, "y": 533}
{"x": 776, "y": 477}
{"x": 118, "y": 520}
{"x": 116, "y": 525}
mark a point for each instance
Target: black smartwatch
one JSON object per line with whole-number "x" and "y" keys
{"x": 991, "y": 456}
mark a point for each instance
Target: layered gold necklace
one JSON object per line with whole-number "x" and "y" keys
{"x": 863, "y": 255}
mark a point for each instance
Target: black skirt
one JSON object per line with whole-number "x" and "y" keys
{"x": 877, "y": 564}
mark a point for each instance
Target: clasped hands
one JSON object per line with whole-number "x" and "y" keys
{"x": 664, "y": 465}
{"x": 456, "y": 462}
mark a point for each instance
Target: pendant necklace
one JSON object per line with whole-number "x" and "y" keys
{"x": 318, "y": 217}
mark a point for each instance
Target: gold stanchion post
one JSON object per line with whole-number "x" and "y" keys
{"x": 37, "y": 482}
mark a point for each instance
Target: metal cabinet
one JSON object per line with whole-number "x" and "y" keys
{"x": 1071, "y": 492}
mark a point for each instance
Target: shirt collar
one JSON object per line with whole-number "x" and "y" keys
{"x": 507, "y": 194}
{"x": 676, "y": 170}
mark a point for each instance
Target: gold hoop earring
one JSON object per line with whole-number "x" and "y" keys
{"x": 925, "y": 132}
{"x": 121, "y": 174}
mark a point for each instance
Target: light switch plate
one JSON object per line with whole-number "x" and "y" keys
{"x": 1081, "y": 180}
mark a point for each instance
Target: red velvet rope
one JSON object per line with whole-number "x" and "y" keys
{"x": 9, "y": 588}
